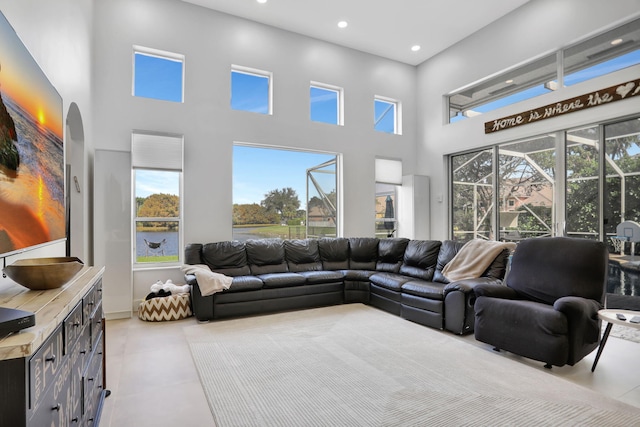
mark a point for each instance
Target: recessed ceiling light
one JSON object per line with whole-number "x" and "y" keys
{"x": 261, "y": 1}
{"x": 509, "y": 81}
{"x": 415, "y": 48}
{"x": 343, "y": 24}
{"x": 616, "y": 41}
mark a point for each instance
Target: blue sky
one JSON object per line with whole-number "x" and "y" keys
{"x": 257, "y": 171}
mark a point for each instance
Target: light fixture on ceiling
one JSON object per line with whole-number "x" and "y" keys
{"x": 261, "y": 1}
{"x": 616, "y": 41}
{"x": 509, "y": 81}
{"x": 343, "y": 24}
{"x": 415, "y": 48}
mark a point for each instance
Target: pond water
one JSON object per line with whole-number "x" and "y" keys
{"x": 170, "y": 246}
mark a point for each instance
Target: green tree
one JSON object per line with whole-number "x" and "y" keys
{"x": 160, "y": 206}
{"x": 253, "y": 214}
{"x": 284, "y": 202}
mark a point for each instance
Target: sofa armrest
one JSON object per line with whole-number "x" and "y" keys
{"x": 582, "y": 316}
{"x": 459, "y": 298}
{"x": 468, "y": 285}
{"x": 201, "y": 306}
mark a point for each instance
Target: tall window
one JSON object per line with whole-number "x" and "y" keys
{"x": 296, "y": 201}
{"x": 326, "y": 103}
{"x": 386, "y": 117}
{"x": 158, "y": 74}
{"x": 388, "y": 177}
{"x": 251, "y": 90}
{"x": 157, "y": 176}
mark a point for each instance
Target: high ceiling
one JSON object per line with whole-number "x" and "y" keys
{"x": 380, "y": 27}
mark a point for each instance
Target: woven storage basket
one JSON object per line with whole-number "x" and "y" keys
{"x": 173, "y": 307}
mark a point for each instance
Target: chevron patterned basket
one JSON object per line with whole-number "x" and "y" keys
{"x": 173, "y": 307}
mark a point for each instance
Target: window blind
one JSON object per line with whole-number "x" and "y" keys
{"x": 156, "y": 151}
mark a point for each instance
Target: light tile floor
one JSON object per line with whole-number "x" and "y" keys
{"x": 154, "y": 382}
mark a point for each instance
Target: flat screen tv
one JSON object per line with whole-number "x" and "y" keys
{"x": 32, "y": 174}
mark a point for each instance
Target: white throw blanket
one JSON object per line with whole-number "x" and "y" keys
{"x": 209, "y": 282}
{"x": 474, "y": 258}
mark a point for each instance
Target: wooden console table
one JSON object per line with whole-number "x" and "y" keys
{"x": 52, "y": 374}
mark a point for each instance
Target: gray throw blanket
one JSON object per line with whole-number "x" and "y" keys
{"x": 209, "y": 282}
{"x": 474, "y": 258}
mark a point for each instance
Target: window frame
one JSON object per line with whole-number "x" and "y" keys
{"x": 339, "y": 102}
{"x": 256, "y": 73}
{"x": 397, "y": 118}
{"x": 160, "y": 54}
{"x": 538, "y": 75}
{"x": 155, "y": 163}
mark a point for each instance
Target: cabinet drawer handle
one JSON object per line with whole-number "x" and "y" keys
{"x": 57, "y": 407}
{"x": 76, "y": 324}
{"x": 89, "y": 379}
{"x": 52, "y": 358}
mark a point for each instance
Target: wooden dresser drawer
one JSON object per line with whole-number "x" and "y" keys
{"x": 96, "y": 326}
{"x": 44, "y": 366}
{"x": 89, "y": 303}
{"x": 92, "y": 384}
{"x": 72, "y": 327}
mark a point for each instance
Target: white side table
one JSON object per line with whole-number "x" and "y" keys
{"x": 609, "y": 316}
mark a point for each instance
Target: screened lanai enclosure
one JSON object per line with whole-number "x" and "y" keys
{"x": 581, "y": 183}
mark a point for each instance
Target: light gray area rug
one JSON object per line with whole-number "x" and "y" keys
{"x": 354, "y": 365}
{"x": 618, "y": 331}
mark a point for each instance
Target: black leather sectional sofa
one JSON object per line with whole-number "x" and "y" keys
{"x": 400, "y": 276}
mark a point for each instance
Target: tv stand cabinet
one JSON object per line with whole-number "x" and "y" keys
{"x": 53, "y": 373}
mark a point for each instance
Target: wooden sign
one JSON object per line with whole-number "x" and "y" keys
{"x": 593, "y": 99}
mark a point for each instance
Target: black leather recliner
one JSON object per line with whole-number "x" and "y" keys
{"x": 548, "y": 310}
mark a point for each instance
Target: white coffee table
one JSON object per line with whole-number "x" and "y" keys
{"x": 609, "y": 315}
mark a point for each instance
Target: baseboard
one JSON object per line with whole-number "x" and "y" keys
{"x": 118, "y": 315}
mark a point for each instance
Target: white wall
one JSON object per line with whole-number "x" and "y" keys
{"x": 58, "y": 35}
{"x": 538, "y": 27}
{"x": 212, "y": 42}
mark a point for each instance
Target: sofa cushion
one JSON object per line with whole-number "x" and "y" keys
{"x": 391, "y": 281}
{"x": 193, "y": 253}
{"x": 448, "y": 250}
{"x": 334, "y": 253}
{"x": 228, "y": 258}
{"x": 390, "y": 254}
{"x": 266, "y": 256}
{"x": 420, "y": 259}
{"x": 363, "y": 253}
{"x": 302, "y": 255}
{"x": 358, "y": 275}
{"x": 424, "y": 288}
{"x": 282, "y": 280}
{"x": 245, "y": 283}
{"x": 315, "y": 277}
{"x": 498, "y": 267}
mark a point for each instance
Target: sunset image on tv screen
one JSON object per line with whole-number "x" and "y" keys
{"x": 31, "y": 150}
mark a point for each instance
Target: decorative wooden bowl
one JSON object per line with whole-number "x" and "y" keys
{"x": 43, "y": 273}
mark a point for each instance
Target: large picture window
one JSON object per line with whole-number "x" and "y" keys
{"x": 295, "y": 202}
